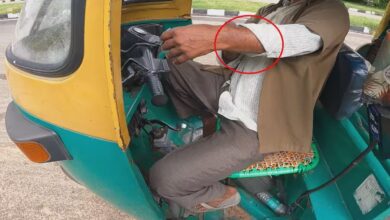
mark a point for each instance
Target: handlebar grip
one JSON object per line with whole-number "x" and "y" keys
{"x": 159, "y": 98}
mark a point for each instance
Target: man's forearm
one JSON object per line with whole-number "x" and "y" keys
{"x": 238, "y": 39}
{"x": 185, "y": 43}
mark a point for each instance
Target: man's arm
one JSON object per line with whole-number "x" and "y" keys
{"x": 185, "y": 43}
{"x": 250, "y": 39}
{"x": 229, "y": 56}
{"x": 298, "y": 40}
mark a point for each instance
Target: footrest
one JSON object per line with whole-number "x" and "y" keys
{"x": 282, "y": 163}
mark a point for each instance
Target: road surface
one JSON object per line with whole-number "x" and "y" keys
{"x": 31, "y": 191}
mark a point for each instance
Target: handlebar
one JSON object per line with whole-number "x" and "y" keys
{"x": 159, "y": 98}
{"x": 144, "y": 60}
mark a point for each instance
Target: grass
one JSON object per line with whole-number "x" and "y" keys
{"x": 245, "y": 5}
{"x": 251, "y": 5}
{"x": 364, "y": 7}
{"x": 230, "y": 5}
{"x": 364, "y": 22}
{"x": 10, "y": 8}
{"x": 239, "y": 5}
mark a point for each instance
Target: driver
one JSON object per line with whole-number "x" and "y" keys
{"x": 260, "y": 113}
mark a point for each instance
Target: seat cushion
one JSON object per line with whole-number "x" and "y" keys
{"x": 281, "y": 163}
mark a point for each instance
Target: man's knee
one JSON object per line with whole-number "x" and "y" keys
{"x": 177, "y": 78}
{"x": 244, "y": 142}
{"x": 187, "y": 69}
{"x": 161, "y": 180}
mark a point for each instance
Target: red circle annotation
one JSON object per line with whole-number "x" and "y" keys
{"x": 243, "y": 72}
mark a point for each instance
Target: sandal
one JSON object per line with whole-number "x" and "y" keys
{"x": 230, "y": 202}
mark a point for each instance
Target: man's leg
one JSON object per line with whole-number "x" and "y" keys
{"x": 190, "y": 175}
{"x": 195, "y": 88}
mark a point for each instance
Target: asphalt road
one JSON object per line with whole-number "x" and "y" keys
{"x": 31, "y": 191}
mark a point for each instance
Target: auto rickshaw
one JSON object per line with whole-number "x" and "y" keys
{"x": 85, "y": 82}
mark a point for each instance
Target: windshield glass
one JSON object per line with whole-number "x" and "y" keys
{"x": 43, "y": 32}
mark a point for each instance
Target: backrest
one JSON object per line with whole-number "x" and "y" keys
{"x": 342, "y": 94}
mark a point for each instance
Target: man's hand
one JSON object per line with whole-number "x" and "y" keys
{"x": 185, "y": 43}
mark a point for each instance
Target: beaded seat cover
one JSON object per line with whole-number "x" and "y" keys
{"x": 281, "y": 163}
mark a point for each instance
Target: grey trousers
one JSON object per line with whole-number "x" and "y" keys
{"x": 191, "y": 175}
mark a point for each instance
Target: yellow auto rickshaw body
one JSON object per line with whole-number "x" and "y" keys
{"x": 82, "y": 116}
{"x": 90, "y": 100}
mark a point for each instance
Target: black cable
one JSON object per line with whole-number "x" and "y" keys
{"x": 353, "y": 164}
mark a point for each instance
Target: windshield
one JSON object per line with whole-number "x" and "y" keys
{"x": 43, "y": 32}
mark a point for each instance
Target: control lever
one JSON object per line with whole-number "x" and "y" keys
{"x": 158, "y": 66}
{"x": 159, "y": 98}
{"x": 144, "y": 61}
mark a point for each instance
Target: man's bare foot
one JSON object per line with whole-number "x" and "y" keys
{"x": 230, "y": 191}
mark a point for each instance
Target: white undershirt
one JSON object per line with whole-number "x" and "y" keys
{"x": 241, "y": 101}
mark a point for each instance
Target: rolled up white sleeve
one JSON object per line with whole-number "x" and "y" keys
{"x": 298, "y": 40}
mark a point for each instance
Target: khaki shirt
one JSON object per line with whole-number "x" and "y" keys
{"x": 291, "y": 89}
